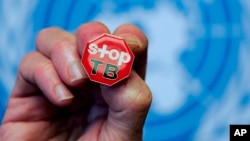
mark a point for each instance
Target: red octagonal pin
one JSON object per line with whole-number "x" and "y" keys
{"x": 107, "y": 59}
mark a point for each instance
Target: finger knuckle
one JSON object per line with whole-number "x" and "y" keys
{"x": 42, "y": 67}
{"x": 36, "y": 61}
{"x": 144, "y": 98}
{"x": 45, "y": 33}
{"x": 28, "y": 58}
{"x": 62, "y": 45}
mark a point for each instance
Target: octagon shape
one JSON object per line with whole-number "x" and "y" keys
{"x": 107, "y": 59}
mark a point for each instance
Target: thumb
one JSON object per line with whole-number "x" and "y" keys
{"x": 129, "y": 102}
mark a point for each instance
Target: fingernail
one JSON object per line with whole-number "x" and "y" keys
{"x": 132, "y": 41}
{"x": 76, "y": 71}
{"x": 62, "y": 93}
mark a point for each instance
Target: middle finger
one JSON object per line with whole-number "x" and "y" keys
{"x": 60, "y": 47}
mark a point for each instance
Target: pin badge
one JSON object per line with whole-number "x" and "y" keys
{"x": 107, "y": 59}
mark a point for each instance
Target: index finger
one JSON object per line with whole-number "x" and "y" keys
{"x": 138, "y": 43}
{"x": 89, "y": 31}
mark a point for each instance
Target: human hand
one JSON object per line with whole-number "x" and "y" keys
{"x": 54, "y": 100}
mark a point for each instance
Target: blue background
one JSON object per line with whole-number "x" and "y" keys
{"x": 198, "y": 65}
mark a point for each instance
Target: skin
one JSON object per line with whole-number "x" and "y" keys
{"x": 54, "y": 100}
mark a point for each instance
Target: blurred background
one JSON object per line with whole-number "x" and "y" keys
{"x": 198, "y": 65}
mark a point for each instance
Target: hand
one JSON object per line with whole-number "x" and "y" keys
{"x": 54, "y": 100}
